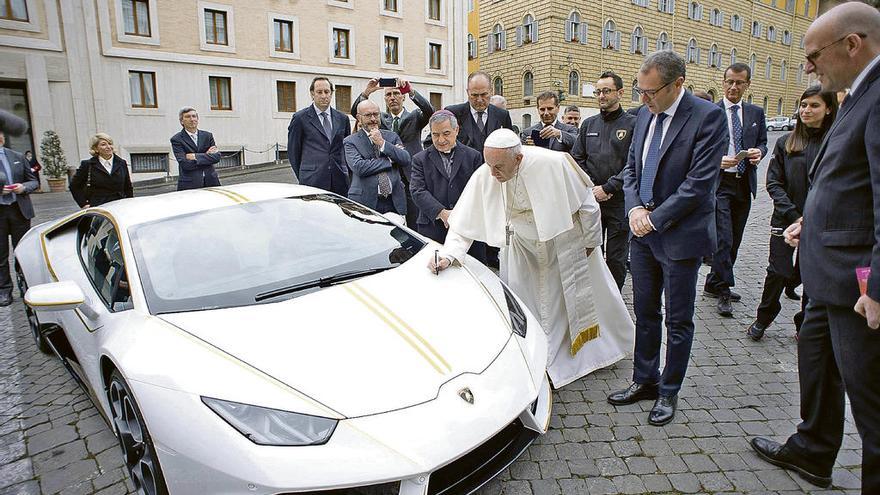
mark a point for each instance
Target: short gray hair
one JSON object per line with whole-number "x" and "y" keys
{"x": 669, "y": 65}
{"x": 443, "y": 116}
{"x": 514, "y": 150}
{"x": 185, "y": 110}
{"x": 497, "y": 100}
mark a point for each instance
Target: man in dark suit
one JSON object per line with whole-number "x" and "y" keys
{"x": 739, "y": 182}
{"x": 195, "y": 153}
{"x": 562, "y": 136}
{"x": 406, "y": 124}
{"x": 314, "y": 141}
{"x": 601, "y": 149}
{"x": 839, "y": 341}
{"x": 439, "y": 175}
{"x": 16, "y": 210}
{"x": 476, "y": 117}
{"x": 669, "y": 188}
{"x": 377, "y": 160}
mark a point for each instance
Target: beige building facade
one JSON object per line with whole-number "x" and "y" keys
{"x": 126, "y": 67}
{"x": 563, "y": 45}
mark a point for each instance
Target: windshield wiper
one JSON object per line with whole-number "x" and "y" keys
{"x": 320, "y": 282}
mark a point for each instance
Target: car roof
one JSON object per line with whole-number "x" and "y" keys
{"x": 142, "y": 209}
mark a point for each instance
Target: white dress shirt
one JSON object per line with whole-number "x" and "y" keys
{"x": 194, "y": 136}
{"x": 107, "y": 164}
{"x": 731, "y": 150}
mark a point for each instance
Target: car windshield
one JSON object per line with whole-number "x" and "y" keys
{"x": 263, "y": 251}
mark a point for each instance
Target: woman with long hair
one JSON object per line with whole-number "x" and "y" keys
{"x": 102, "y": 178}
{"x": 787, "y": 184}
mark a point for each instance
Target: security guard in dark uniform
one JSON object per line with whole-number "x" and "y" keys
{"x": 601, "y": 150}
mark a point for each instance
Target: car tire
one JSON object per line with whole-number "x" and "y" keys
{"x": 33, "y": 321}
{"x": 138, "y": 452}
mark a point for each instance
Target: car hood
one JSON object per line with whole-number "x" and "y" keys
{"x": 376, "y": 344}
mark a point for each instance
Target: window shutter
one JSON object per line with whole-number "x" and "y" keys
{"x": 699, "y": 54}
{"x": 584, "y": 31}
{"x": 519, "y": 36}
{"x": 503, "y": 39}
{"x": 568, "y": 28}
{"x": 535, "y": 31}
{"x": 617, "y": 40}
{"x": 490, "y": 44}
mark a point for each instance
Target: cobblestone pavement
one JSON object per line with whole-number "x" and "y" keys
{"x": 52, "y": 440}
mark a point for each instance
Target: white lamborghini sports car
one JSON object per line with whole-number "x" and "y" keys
{"x": 279, "y": 339}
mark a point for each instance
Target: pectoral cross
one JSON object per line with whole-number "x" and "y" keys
{"x": 508, "y": 232}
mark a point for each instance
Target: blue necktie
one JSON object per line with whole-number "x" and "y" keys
{"x": 737, "y": 138}
{"x": 649, "y": 169}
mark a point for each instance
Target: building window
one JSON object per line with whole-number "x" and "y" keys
{"x": 496, "y": 40}
{"x": 753, "y": 62}
{"x": 756, "y": 29}
{"x": 472, "y": 47}
{"x": 771, "y": 34}
{"x": 143, "y": 89}
{"x": 638, "y": 41}
{"x": 575, "y": 29}
{"x": 221, "y": 93}
{"x": 343, "y": 96}
{"x": 736, "y": 23}
{"x": 528, "y": 84}
{"x": 695, "y": 11}
{"x": 666, "y": 6}
{"x": 526, "y": 120}
{"x": 732, "y": 56}
{"x": 807, "y": 8}
{"x": 610, "y": 36}
{"x": 434, "y": 10}
{"x": 663, "y": 42}
{"x": 148, "y": 162}
{"x": 135, "y": 15}
{"x": 390, "y": 5}
{"x": 779, "y": 107}
{"x": 498, "y": 86}
{"x": 640, "y": 3}
{"x": 436, "y": 100}
{"x": 802, "y": 42}
{"x": 215, "y": 27}
{"x": 789, "y": 6}
{"x": 340, "y": 43}
{"x": 714, "y": 57}
{"x": 782, "y": 70}
{"x": 768, "y": 68}
{"x": 470, "y": 9}
{"x": 574, "y": 83}
{"x": 435, "y": 52}
{"x": 786, "y": 37}
{"x": 634, "y": 95}
{"x": 392, "y": 50}
{"x": 283, "y": 36}
{"x": 800, "y": 74}
{"x": 528, "y": 32}
{"x": 712, "y": 94}
{"x": 716, "y": 18}
{"x": 693, "y": 52}
{"x": 286, "y": 91}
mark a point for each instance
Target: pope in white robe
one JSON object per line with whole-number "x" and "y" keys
{"x": 537, "y": 206}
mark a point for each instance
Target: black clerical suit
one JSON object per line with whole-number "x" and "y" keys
{"x": 601, "y": 149}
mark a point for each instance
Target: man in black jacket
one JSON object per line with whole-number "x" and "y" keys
{"x": 601, "y": 149}
{"x": 476, "y": 117}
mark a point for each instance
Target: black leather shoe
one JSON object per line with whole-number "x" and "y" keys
{"x": 714, "y": 295}
{"x": 792, "y": 294}
{"x": 634, "y": 393}
{"x": 5, "y": 299}
{"x": 663, "y": 411}
{"x": 724, "y": 307}
{"x": 777, "y": 454}
{"x": 756, "y": 331}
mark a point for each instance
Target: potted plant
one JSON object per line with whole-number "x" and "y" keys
{"x": 54, "y": 162}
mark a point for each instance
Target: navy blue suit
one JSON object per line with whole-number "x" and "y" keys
{"x": 837, "y": 350}
{"x": 667, "y": 259}
{"x": 315, "y": 160}
{"x": 733, "y": 200}
{"x": 366, "y": 162}
{"x": 198, "y": 173}
{"x": 434, "y": 190}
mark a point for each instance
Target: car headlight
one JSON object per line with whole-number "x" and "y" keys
{"x": 265, "y": 426}
{"x": 517, "y": 315}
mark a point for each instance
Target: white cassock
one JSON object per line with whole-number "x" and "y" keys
{"x": 554, "y": 217}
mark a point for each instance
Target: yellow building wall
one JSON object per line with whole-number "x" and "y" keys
{"x": 473, "y": 21}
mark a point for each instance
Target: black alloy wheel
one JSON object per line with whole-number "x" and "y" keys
{"x": 33, "y": 321}
{"x": 138, "y": 452}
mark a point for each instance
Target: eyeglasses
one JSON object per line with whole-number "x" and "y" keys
{"x": 605, "y": 91}
{"x": 650, "y": 93}
{"x": 733, "y": 82}
{"x": 814, "y": 55}
{"x": 372, "y": 115}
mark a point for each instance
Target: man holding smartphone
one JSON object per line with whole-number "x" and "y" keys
{"x": 16, "y": 209}
{"x": 550, "y": 133}
{"x": 738, "y": 184}
{"x": 406, "y": 124}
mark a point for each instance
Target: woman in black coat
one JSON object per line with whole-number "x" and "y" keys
{"x": 102, "y": 178}
{"x": 787, "y": 184}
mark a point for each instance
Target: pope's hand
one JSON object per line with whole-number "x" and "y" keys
{"x": 443, "y": 264}
{"x": 870, "y": 309}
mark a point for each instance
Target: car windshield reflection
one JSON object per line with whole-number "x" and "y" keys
{"x": 227, "y": 257}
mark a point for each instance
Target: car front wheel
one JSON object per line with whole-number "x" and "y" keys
{"x": 138, "y": 451}
{"x": 33, "y": 321}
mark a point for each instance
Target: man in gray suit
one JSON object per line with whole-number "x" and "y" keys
{"x": 561, "y": 136}
{"x": 378, "y": 161}
{"x": 16, "y": 209}
{"x": 839, "y": 241}
{"x": 406, "y": 124}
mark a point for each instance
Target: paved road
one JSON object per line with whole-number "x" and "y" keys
{"x": 52, "y": 439}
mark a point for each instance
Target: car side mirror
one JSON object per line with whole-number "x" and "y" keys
{"x": 55, "y": 296}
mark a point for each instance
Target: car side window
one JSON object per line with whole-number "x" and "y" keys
{"x": 102, "y": 260}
